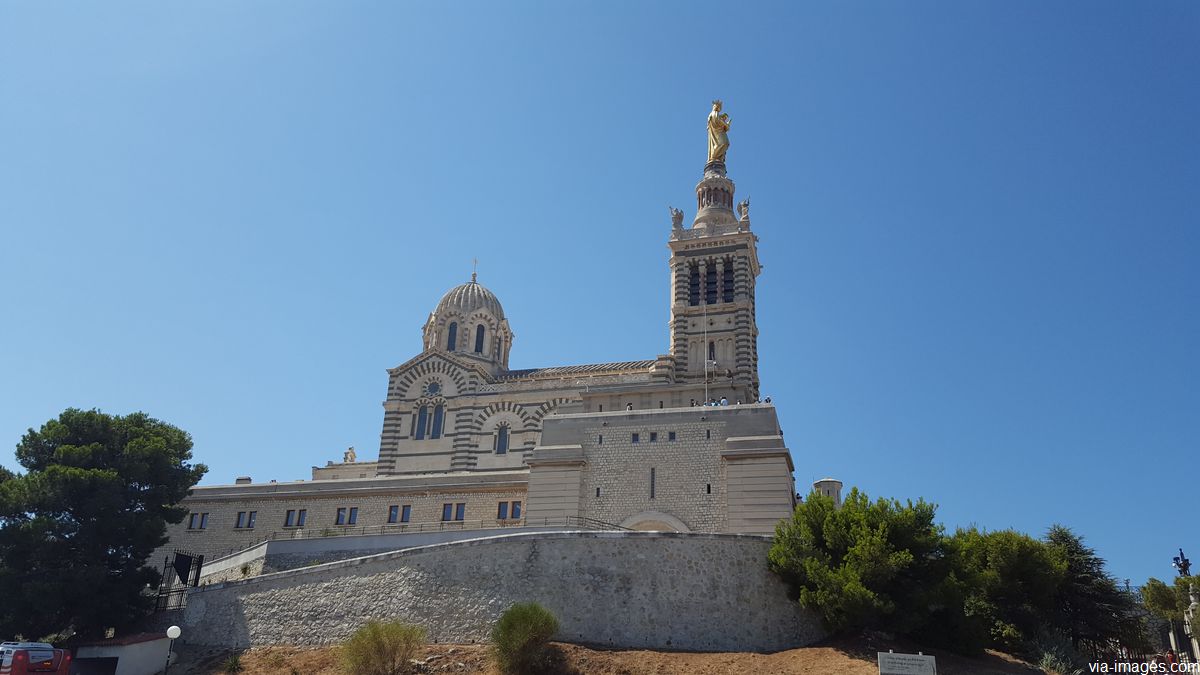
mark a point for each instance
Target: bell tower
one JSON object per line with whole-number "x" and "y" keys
{"x": 714, "y": 267}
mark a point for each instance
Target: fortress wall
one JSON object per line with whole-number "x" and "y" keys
{"x": 706, "y": 592}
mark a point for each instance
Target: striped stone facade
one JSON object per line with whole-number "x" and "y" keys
{"x": 459, "y": 424}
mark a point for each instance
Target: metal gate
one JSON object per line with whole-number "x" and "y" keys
{"x": 180, "y": 570}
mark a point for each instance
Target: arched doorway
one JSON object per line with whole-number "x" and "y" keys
{"x": 654, "y": 521}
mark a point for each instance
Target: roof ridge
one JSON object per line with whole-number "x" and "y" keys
{"x": 577, "y": 368}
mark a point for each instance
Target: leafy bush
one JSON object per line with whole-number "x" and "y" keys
{"x": 1057, "y": 664}
{"x": 382, "y": 648}
{"x": 520, "y": 639}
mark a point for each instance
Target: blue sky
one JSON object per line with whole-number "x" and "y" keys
{"x": 978, "y": 225}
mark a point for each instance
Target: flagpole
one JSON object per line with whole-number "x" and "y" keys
{"x": 704, "y": 348}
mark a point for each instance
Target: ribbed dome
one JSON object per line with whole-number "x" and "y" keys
{"x": 469, "y": 297}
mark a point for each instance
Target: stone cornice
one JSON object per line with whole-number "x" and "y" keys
{"x": 467, "y": 481}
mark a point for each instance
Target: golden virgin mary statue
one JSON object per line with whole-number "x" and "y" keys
{"x": 718, "y": 138}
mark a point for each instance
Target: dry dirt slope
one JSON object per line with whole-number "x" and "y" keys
{"x": 830, "y": 659}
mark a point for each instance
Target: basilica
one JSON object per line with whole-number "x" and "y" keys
{"x": 678, "y": 441}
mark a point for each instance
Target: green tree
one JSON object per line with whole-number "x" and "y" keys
{"x": 1014, "y": 579}
{"x": 77, "y": 527}
{"x": 1168, "y": 602}
{"x": 1090, "y": 609}
{"x": 882, "y": 565}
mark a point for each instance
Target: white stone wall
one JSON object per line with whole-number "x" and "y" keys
{"x": 629, "y": 589}
{"x": 726, "y": 471}
{"x": 687, "y": 472}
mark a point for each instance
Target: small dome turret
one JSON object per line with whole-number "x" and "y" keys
{"x": 469, "y": 320}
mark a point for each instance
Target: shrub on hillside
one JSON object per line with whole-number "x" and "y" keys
{"x": 887, "y": 566}
{"x": 877, "y": 565}
{"x": 1014, "y": 580}
{"x": 521, "y": 638}
{"x": 382, "y": 648}
{"x": 232, "y": 664}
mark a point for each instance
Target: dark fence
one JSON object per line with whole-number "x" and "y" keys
{"x": 180, "y": 570}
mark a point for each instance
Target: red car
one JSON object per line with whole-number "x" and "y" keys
{"x": 27, "y": 658}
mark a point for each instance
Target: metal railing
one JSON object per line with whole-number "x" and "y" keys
{"x": 298, "y": 533}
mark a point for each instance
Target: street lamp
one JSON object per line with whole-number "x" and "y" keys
{"x": 1182, "y": 564}
{"x": 172, "y": 632}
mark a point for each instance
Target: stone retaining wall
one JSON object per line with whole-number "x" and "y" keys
{"x": 288, "y": 554}
{"x": 704, "y": 592}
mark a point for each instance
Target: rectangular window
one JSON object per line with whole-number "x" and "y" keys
{"x": 301, "y": 515}
{"x": 653, "y": 436}
{"x": 600, "y": 439}
{"x": 516, "y": 510}
{"x": 447, "y": 512}
{"x": 597, "y": 492}
{"x": 203, "y": 520}
{"x": 250, "y": 519}
{"x": 353, "y": 515}
{"x": 289, "y": 520}
{"x": 341, "y": 517}
{"x": 670, "y": 435}
{"x": 708, "y": 433}
{"x": 394, "y": 513}
{"x": 241, "y": 520}
{"x": 651, "y": 482}
{"x": 193, "y": 520}
{"x": 405, "y": 513}
{"x": 708, "y": 488}
{"x": 502, "y": 511}
{"x": 460, "y": 511}
{"x": 635, "y": 438}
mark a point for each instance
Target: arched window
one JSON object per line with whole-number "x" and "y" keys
{"x": 712, "y": 351}
{"x": 710, "y": 283}
{"x": 727, "y": 278}
{"x": 500, "y": 441}
{"x": 479, "y": 339}
{"x": 438, "y": 413}
{"x": 693, "y": 285}
{"x": 422, "y": 421}
{"x": 453, "y": 336}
